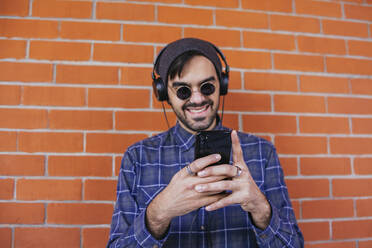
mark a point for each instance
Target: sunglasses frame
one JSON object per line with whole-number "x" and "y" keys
{"x": 190, "y": 91}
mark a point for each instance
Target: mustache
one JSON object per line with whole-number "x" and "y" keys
{"x": 195, "y": 105}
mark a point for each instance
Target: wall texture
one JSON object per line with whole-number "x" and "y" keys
{"x": 75, "y": 91}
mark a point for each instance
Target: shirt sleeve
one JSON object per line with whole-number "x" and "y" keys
{"x": 282, "y": 230}
{"x": 128, "y": 225}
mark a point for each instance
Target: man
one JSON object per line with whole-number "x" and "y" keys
{"x": 165, "y": 198}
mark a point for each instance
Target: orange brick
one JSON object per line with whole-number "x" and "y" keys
{"x": 62, "y": 8}
{"x": 50, "y": 142}
{"x": 117, "y": 164}
{"x": 321, "y": 45}
{"x": 235, "y": 80}
{"x": 363, "y": 207}
{"x": 14, "y": 49}
{"x": 299, "y": 103}
{"x": 54, "y": 96}
{"x": 146, "y": 33}
{"x": 6, "y": 189}
{"x": 8, "y": 141}
{"x": 358, "y": 12}
{"x": 351, "y": 229}
{"x": 289, "y": 166}
{"x": 345, "y": 28}
{"x": 362, "y": 126}
{"x": 6, "y": 237}
{"x": 14, "y": 8}
{"x": 351, "y": 145}
{"x": 142, "y": 120}
{"x": 247, "y": 102}
{"x": 123, "y": 53}
{"x": 324, "y": 84}
{"x": 352, "y": 187}
{"x": 80, "y": 119}
{"x": 270, "y": 81}
{"x": 9, "y": 94}
{"x": 314, "y": 124}
{"x": 248, "y": 60}
{"x": 136, "y": 76}
{"x": 301, "y": 145}
{"x": 123, "y": 98}
{"x": 47, "y": 237}
{"x": 352, "y": 66}
{"x": 325, "y": 166}
{"x": 90, "y": 31}
{"x": 60, "y": 50}
{"x": 72, "y": 74}
{"x": 360, "y": 48}
{"x": 28, "y": 28}
{"x": 316, "y": 209}
{"x": 219, "y": 37}
{"x": 35, "y": 189}
{"x": 182, "y": 15}
{"x": 111, "y": 143}
{"x": 310, "y": 7}
{"x": 333, "y": 244}
{"x": 362, "y": 166}
{"x": 298, "y": 62}
{"x": 294, "y": 23}
{"x": 367, "y": 243}
{"x": 234, "y": 18}
{"x": 95, "y": 237}
{"x": 25, "y": 72}
{"x": 269, "y": 41}
{"x": 314, "y": 231}
{"x": 99, "y": 166}
{"x": 84, "y": 213}
{"x": 304, "y": 188}
{"x": 21, "y": 165}
{"x": 213, "y": 3}
{"x": 230, "y": 120}
{"x": 100, "y": 190}
{"x": 21, "y": 213}
{"x": 269, "y": 124}
{"x": 23, "y": 118}
{"x": 125, "y": 11}
{"x": 267, "y": 5}
{"x": 349, "y": 105}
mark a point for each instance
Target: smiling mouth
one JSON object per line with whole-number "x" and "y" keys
{"x": 199, "y": 109}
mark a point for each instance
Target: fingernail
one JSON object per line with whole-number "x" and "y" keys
{"x": 199, "y": 188}
{"x": 218, "y": 156}
{"x": 202, "y": 173}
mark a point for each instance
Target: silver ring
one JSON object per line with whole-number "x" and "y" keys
{"x": 238, "y": 172}
{"x": 188, "y": 169}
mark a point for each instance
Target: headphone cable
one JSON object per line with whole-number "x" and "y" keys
{"x": 165, "y": 114}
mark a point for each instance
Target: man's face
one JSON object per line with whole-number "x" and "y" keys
{"x": 198, "y": 112}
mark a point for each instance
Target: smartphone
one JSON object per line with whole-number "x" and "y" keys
{"x": 213, "y": 142}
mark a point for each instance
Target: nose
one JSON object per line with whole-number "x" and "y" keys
{"x": 197, "y": 96}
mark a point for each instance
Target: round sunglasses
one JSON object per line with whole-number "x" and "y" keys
{"x": 185, "y": 92}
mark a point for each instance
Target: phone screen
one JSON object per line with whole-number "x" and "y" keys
{"x": 213, "y": 142}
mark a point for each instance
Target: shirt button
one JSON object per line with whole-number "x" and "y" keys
{"x": 263, "y": 236}
{"x": 202, "y": 227}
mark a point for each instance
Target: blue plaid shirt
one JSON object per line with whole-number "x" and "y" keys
{"x": 147, "y": 168}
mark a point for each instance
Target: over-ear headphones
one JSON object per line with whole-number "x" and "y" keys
{"x": 160, "y": 87}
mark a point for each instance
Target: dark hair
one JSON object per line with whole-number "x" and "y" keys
{"x": 175, "y": 69}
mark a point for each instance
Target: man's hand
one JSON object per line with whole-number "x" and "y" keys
{"x": 180, "y": 198}
{"x": 244, "y": 190}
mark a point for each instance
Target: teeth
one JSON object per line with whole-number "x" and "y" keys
{"x": 198, "y": 110}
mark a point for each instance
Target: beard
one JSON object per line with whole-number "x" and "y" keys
{"x": 197, "y": 124}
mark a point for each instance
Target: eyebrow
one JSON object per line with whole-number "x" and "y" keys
{"x": 178, "y": 84}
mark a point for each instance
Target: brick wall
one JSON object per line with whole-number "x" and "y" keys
{"x": 75, "y": 91}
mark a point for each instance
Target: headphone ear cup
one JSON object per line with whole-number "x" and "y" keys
{"x": 224, "y": 85}
{"x": 160, "y": 90}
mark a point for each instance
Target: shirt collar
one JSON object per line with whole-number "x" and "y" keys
{"x": 185, "y": 139}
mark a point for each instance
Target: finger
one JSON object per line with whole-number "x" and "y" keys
{"x": 236, "y": 147}
{"x": 201, "y": 163}
{"x": 216, "y": 186}
{"x": 226, "y": 170}
{"x": 223, "y": 202}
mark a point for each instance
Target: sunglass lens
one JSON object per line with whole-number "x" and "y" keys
{"x": 207, "y": 89}
{"x": 183, "y": 93}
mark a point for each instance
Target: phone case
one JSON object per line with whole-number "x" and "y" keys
{"x": 213, "y": 142}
